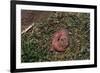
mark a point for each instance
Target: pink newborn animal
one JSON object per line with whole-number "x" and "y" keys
{"x": 60, "y": 40}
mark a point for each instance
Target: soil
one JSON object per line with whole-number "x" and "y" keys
{"x": 28, "y": 17}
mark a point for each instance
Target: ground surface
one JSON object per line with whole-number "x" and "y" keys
{"x": 35, "y": 44}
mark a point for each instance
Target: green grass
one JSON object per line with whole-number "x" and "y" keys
{"x": 36, "y": 43}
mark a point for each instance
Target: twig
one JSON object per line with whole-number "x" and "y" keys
{"x": 24, "y": 31}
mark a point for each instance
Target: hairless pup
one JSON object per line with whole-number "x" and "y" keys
{"x": 60, "y": 40}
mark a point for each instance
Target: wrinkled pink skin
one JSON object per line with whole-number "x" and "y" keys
{"x": 60, "y": 40}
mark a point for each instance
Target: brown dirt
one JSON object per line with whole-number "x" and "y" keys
{"x": 29, "y": 16}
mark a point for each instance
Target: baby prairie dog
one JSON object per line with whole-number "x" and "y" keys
{"x": 60, "y": 40}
